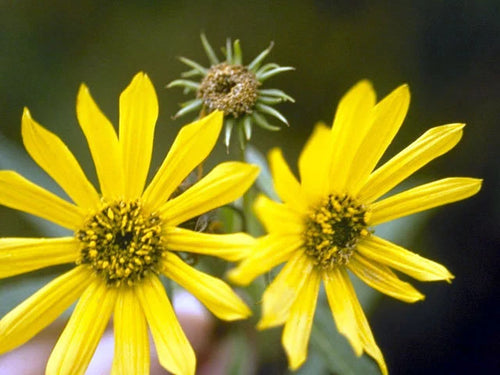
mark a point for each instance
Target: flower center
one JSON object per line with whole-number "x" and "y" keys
{"x": 122, "y": 243}
{"x": 334, "y": 229}
{"x": 229, "y": 88}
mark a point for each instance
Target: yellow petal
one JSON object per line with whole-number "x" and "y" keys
{"x": 299, "y": 323}
{"x": 191, "y": 146}
{"x": 76, "y": 345}
{"x": 386, "y": 119}
{"x": 103, "y": 144}
{"x": 174, "y": 351}
{"x": 20, "y": 194}
{"x": 138, "y": 115}
{"x": 215, "y": 294}
{"x": 349, "y": 127}
{"x": 281, "y": 294}
{"x": 314, "y": 163}
{"x": 430, "y": 145}
{"x": 131, "y": 336}
{"x": 225, "y": 183}
{"x": 52, "y": 155}
{"x": 278, "y": 217}
{"x": 383, "y": 279}
{"x": 20, "y": 255}
{"x": 231, "y": 247}
{"x": 42, "y": 308}
{"x": 423, "y": 197}
{"x": 269, "y": 251}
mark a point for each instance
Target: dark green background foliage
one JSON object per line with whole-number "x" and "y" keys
{"x": 448, "y": 52}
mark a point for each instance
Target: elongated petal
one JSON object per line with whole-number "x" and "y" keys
{"x": 20, "y": 255}
{"x": 174, "y": 351}
{"x": 138, "y": 115}
{"x": 225, "y": 183}
{"x": 269, "y": 252}
{"x": 77, "y": 343}
{"x": 383, "y": 279}
{"x": 430, "y": 145}
{"x": 278, "y": 217}
{"x": 103, "y": 144}
{"x": 349, "y": 127}
{"x": 281, "y": 294}
{"x": 299, "y": 323}
{"x": 232, "y": 247}
{"x": 423, "y": 197}
{"x": 215, "y": 294}
{"x": 20, "y": 194}
{"x": 52, "y": 155}
{"x": 42, "y": 308}
{"x": 131, "y": 336}
{"x": 394, "y": 256}
{"x": 191, "y": 146}
{"x": 386, "y": 119}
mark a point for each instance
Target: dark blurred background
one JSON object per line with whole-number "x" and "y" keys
{"x": 447, "y": 51}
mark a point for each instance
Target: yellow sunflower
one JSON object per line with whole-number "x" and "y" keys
{"x": 324, "y": 225}
{"x": 124, "y": 237}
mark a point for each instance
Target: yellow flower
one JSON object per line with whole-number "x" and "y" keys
{"x": 323, "y": 227}
{"x": 124, "y": 238}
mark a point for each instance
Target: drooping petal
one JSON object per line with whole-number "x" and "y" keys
{"x": 138, "y": 115}
{"x": 269, "y": 251}
{"x": 394, "y": 256}
{"x": 299, "y": 323}
{"x": 430, "y": 145}
{"x": 76, "y": 345}
{"x": 174, "y": 350}
{"x": 42, "y": 308}
{"x": 20, "y": 194}
{"x": 349, "y": 127}
{"x": 281, "y": 294}
{"x": 423, "y": 197}
{"x": 386, "y": 119}
{"x": 383, "y": 279}
{"x": 278, "y": 217}
{"x": 215, "y": 294}
{"x": 232, "y": 247}
{"x": 131, "y": 336}
{"x": 103, "y": 144}
{"x": 20, "y": 255}
{"x": 54, "y": 157}
{"x": 225, "y": 183}
{"x": 191, "y": 146}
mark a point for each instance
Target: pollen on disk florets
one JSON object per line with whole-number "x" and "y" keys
{"x": 334, "y": 229}
{"x": 122, "y": 243}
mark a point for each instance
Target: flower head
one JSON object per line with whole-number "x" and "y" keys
{"x": 324, "y": 226}
{"x": 235, "y": 89}
{"x": 125, "y": 237}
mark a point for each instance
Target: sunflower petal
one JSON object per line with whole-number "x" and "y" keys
{"x": 299, "y": 323}
{"x": 423, "y": 197}
{"x": 191, "y": 146}
{"x": 174, "y": 350}
{"x": 76, "y": 345}
{"x": 383, "y": 279}
{"x": 103, "y": 144}
{"x": 225, "y": 183}
{"x": 430, "y": 145}
{"x": 54, "y": 157}
{"x": 20, "y": 255}
{"x": 42, "y": 308}
{"x": 131, "y": 335}
{"x": 232, "y": 247}
{"x": 394, "y": 256}
{"x": 278, "y": 217}
{"x": 215, "y": 294}
{"x": 20, "y": 194}
{"x": 138, "y": 115}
